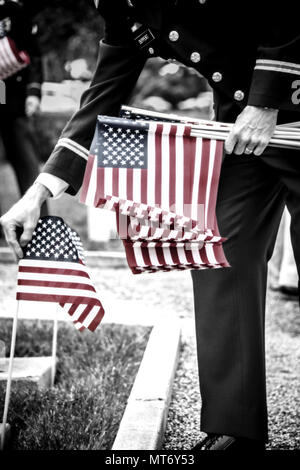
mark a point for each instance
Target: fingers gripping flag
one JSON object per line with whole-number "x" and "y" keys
{"x": 53, "y": 270}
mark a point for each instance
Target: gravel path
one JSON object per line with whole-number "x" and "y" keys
{"x": 283, "y": 360}
{"x": 174, "y": 291}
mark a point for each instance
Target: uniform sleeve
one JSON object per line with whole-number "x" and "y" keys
{"x": 35, "y": 71}
{"x": 276, "y": 76}
{"x": 56, "y": 186}
{"x": 118, "y": 68}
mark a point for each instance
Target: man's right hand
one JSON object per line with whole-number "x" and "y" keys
{"x": 24, "y": 215}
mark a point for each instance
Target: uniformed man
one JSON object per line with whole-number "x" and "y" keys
{"x": 23, "y": 92}
{"x": 251, "y": 58}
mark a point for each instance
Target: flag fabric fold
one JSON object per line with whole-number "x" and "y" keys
{"x": 53, "y": 270}
{"x": 162, "y": 183}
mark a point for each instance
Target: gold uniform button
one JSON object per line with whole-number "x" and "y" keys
{"x": 239, "y": 95}
{"x": 195, "y": 57}
{"x": 151, "y": 50}
{"x": 174, "y": 36}
{"x": 217, "y": 77}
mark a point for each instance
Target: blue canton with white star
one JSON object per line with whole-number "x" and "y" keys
{"x": 120, "y": 143}
{"x": 54, "y": 240}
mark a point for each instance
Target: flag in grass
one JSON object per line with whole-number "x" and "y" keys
{"x": 53, "y": 270}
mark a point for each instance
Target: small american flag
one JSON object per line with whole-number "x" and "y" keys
{"x": 53, "y": 270}
{"x": 153, "y": 165}
{"x": 157, "y": 255}
{"x": 149, "y": 172}
{"x": 11, "y": 59}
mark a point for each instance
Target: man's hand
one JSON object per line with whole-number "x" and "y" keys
{"x": 32, "y": 105}
{"x": 24, "y": 215}
{"x": 252, "y": 131}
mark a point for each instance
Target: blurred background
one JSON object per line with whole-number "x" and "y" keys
{"x": 68, "y": 39}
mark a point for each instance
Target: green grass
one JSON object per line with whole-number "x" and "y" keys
{"x": 95, "y": 374}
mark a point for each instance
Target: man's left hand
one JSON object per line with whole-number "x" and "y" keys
{"x": 32, "y": 105}
{"x": 252, "y": 131}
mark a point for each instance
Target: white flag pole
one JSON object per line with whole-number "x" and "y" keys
{"x": 9, "y": 375}
{"x": 285, "y": 135}
{"x": 54, "y": 346}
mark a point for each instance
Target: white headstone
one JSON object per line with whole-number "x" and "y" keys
{"x": 101, "y": 224}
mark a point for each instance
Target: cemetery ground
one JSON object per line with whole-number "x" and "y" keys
{"x": 57, "y": 409}
{"x": 162, "y": 292}
{"x": 95, "y": 372}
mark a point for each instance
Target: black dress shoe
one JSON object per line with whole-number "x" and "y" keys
{"x": 223, "y": 442}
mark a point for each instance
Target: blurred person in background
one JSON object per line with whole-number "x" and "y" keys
{"x": 22, "y": 88}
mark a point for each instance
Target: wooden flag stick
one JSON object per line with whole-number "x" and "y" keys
{"x": 9, "y": 375}
{"x": 285, "y": 135}
{"x": 54, "y": 347}
{"x": 292, "y": 127}
{"x": 188, "y": 119}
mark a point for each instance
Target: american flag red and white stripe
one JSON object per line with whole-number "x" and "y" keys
{"x": 53, "y": 270}
{"x": 153, "y": 165}
{"x": 154, "y": 256}
{"x": 11, "y": 59}
{"x": 152, "y": 172}
{"x": 151, "y": 256}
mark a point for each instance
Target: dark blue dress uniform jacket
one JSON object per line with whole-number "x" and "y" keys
{"x": 248, "y": 51}
{"x": 18, "y": 25}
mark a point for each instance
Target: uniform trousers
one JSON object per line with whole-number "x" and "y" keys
{"x": 230, "y": 302}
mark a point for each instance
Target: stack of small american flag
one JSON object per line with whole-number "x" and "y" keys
{"x": 162, "y": 182}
